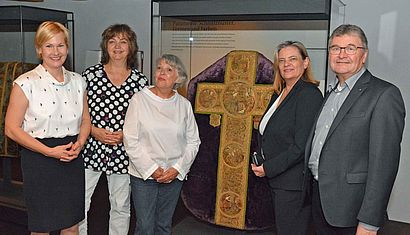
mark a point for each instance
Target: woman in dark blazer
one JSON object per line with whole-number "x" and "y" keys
{"x": 284, "y": 129}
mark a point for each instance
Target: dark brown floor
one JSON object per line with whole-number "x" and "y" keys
{"x": 13, "y": 218}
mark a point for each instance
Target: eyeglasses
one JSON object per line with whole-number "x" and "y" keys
{"x": 349, "y": 49}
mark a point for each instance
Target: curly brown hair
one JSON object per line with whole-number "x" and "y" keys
{"x": 123, "y": 30}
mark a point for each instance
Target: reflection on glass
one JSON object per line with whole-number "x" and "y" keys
{"x": 200, "y": 43}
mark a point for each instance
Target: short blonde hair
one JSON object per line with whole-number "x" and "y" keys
{"x": 46, "y": 31}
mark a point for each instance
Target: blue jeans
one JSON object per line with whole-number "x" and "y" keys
{"x": 154, "y": 205}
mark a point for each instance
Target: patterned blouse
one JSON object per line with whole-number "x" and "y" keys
{"x": 108, "y": 105}
{"x": 55, "y": 108}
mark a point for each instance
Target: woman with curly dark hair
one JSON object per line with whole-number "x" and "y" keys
{"x": 110, "y": 85}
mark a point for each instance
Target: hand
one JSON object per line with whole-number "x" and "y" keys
{"x": 168, "y": 176}
{"x": 258, "y": 170}
{"x": 117, "y": 137}
{"x": 76, "y": 149}
{"x": 73, "y": 152}
{"x": 106, "y": 136}
{"x": 62, "y": 152}
{"x": 362, "y": 231}
{"x": 157, "y": 173}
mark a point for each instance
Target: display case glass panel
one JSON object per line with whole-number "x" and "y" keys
{"x": 201, "y": 40}
{"x": 18, "y": 55}
{"x": 18, "y": 25}
{"x": 201, "y": 43}
{"x": 230, "y": 84}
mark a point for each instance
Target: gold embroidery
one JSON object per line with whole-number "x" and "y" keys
{"x": 215, "y": 120}
{"x": 238, "y": 100}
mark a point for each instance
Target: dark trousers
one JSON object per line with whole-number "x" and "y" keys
{"x": 321, "y": 225}
{"x": 290, "y": 218}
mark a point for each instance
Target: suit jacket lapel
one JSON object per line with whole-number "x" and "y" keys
{"x": 272, "y": 100}
{"x": 355, "y": 93}
{"x": 292, "y": 92}
{"x": 309, "y": 140}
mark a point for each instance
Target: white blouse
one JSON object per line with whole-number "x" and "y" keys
{"x": 268, "y": 115}
{"x": 55, "y": 108}
{"x": 160, "y": 133}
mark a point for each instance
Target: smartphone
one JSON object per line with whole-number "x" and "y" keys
{"x": 257, "y": 159}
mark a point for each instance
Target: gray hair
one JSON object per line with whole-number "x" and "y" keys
{"x": 175, "y": 63}
{"x": 349, "y": 29}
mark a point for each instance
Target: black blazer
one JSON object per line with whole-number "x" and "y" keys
{"x": 285, "y": 135}
{"x": 360, "y": 156}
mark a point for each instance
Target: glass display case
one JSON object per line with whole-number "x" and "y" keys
{"x": 227, "y": 48}
{"x": 18, "y": 25}
{"x": 200, "y": 43}
{"x": 17, "y": 55}
{"x": 201, "y": 32}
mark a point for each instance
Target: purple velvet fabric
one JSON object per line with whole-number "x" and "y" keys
{"x": 199, "y": 190}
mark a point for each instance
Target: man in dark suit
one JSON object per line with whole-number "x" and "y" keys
{"x": 353, "y": 150}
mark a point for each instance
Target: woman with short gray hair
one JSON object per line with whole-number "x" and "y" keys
{"x": 176, "y": 63}
{"x": 161, "y": 139}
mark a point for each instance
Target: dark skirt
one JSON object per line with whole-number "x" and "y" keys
{"x": 54, "y": 190}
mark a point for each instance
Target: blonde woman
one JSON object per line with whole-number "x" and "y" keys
{"x": 284, "y": 129}
{"x": 48, "y": 117}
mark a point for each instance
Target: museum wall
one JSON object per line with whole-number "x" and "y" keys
{"x": 386, "y": 24}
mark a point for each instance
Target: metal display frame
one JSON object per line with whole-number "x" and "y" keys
{"x": 23, "y": 19}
